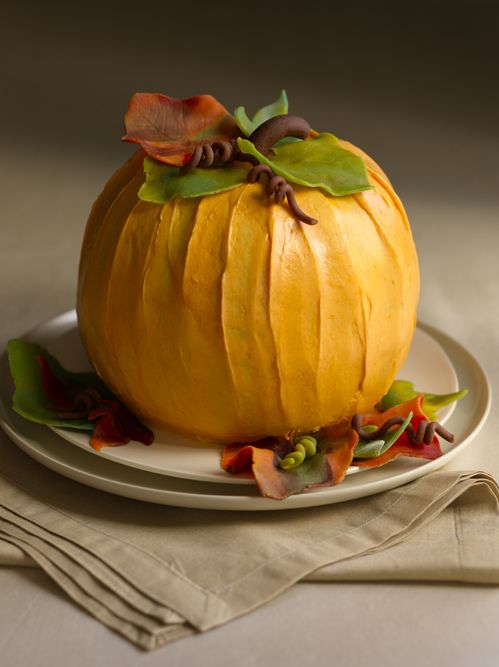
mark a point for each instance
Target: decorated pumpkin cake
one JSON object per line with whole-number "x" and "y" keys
{"x": 212, "y": 306}
{"x": 248, "y": 282}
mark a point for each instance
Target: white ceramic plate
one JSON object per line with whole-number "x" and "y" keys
{"x": 52, "y": 451}
{"x": 176, "y": 455}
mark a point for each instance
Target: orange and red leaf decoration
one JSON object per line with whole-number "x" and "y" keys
{"x": 340, "y": 440}
{"x": 114, "y": 424}
{"x": 169, "y": 129}
{"x": 402, "y": 446}
{"x": 237, "y": 458}
{"x": 335, "y": 452}
{"x": 327, "y": 468}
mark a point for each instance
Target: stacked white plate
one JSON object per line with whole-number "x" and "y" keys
{"x": 176, "y": 470}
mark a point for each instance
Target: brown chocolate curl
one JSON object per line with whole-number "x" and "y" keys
{"x": 215, "y": 154}
{"x": 425, "y": 432}
{"x": 280, "y": 188}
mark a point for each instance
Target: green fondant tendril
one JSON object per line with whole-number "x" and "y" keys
{"x": 305, "y": 448}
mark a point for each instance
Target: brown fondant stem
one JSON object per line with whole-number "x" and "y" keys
{"x": 273, "y": 129}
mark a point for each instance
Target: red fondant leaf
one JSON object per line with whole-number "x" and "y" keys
{"x": 326, "y": 468}
{"x": 107, "y": 430}
{"x": 169, "y": 129}
{"x": 116, "y": 425}
{"x": 402, "y": 447}
{"x": 134, "y": 428}
{"x": 58, "y": 393}
{"x": 238, "y": 457}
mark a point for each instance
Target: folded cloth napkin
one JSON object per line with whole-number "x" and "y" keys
{"x": 155, "y": 573}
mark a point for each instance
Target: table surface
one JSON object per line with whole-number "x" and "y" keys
{"x": 448, "y": 177}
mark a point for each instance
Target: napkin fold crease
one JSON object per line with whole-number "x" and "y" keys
{"x": 155, "y": 574}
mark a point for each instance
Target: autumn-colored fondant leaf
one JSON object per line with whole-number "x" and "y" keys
{"x": 169, "y": 129}
{"x": 326, "y": 468}
{"x": 107, "y": 430}
{"x": 402, "y": 447}
{"x": 47, "y": 393}
{"x": 336, "y": 446}
{"x": 116, "y": 425}
{"x": 42, "y": 385}
{"x": 237, "y": 458}
{"x": 56, "y": 391}
{"x": 339, "y": 441}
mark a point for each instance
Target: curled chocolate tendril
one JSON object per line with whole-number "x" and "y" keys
{"x": 263, "y": 138}
{"x": 83, "y": 403}
{"x": 274, "y": 129}
{"x": 215, "y": 154}
{"x": 280, "y": 189}
{"x": 425, "y": 432}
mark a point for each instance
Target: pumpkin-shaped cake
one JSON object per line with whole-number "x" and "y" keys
{"x": 219, "y": 313}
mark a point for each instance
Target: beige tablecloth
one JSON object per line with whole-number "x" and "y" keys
{"x": 155, "y": 573}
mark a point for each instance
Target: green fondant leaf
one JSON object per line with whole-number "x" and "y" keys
{"x": 287, "y": 140}
{"x": 277, "y": 108}
{"x": 315, "y": 163}
{"x": 369, "y": 449}
{"x": 164, "y": 182}
{"x": 403, "y": 390}
{"x": 243, "y": 122}
{"x": 30, "y": 400}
